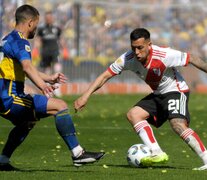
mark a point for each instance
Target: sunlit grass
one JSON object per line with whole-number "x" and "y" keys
{"x": 102, "y": 126}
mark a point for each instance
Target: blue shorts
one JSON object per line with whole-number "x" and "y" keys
{"x": 25, "y": 108}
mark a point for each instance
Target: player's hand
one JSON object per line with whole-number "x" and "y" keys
{"x": 49, "y": 90}
{"x": 80, "y": 103}
{"x": 58, "y": 78}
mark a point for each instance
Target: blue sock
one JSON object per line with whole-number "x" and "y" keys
{"x": 66, "y": 129}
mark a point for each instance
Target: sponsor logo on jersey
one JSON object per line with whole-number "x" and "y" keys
{"x": 27, "y": 48}
{"x": 175, "y": 112}
{"x": 119, "y": 61}
{"x": 157, "y": 71}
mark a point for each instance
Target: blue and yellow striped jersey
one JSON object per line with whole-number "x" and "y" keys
{"x": 14, "y": 48}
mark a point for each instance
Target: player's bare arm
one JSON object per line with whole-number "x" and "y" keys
{"x": 34, "y": 76}
{"x": 98, "y": 83}
{"x": 198, "y": 62}
{"x": 54, "y": 78}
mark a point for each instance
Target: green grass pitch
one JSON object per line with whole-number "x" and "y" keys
{"x": 102, "y": 125}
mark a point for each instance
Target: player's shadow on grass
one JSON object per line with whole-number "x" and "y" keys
{"x": 151, "y": 167}
{"x": 40, "y": 170}
{"x": 78, "y": 169}
{"x": 70, "y": 168}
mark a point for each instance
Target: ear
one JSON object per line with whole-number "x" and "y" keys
{"x": 149, "y": 43}
{"x": 30, "y": 23}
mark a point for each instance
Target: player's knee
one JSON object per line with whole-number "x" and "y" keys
{"x": 62, "y": 105}
{"x": 56, "y": 105}
{"x": 131, "y": 115}
{"x": 136, "y": 114}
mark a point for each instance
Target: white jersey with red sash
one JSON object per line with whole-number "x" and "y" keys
{"x": 160, "y": 73}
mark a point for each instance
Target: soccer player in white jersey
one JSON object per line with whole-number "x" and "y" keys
{"x": 169, "y": 99}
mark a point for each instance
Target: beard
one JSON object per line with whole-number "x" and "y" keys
{"x": 32, "y": 34}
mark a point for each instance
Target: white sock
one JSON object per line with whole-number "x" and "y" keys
{"x": 195, "y": 143}
{"x": 4, "y": 159}
{"x": 77, "y": 151}
{"x": 146, "y": 134}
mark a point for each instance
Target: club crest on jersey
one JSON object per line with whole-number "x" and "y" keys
{"x": 157, "y": 71}
{"x": 27, "y": 48}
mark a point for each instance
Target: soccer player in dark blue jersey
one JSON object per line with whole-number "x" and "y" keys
{"x": 23, "y": 110}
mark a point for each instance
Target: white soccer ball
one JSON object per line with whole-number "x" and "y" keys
{"x": 136, "y": 153}
{"x": 107, "y": 23}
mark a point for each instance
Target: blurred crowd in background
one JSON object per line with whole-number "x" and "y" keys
{"x": 104, "y": 26}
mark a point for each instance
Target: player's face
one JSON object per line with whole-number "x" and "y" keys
{"x": 49, "y": 19}
{"x": 32, "y": 27}
{"x": 141, "y": 48}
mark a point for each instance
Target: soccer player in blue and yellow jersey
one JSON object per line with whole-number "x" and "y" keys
{"x": 23, "y": 110}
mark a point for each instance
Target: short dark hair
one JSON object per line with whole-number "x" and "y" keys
{"x": 139, "y": 33}
{"x": 24, "y": 12}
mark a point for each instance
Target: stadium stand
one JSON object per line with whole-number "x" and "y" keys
{"x": 104, "y": 33}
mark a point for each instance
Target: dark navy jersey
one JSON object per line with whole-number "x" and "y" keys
{"x": 49, "y": 35}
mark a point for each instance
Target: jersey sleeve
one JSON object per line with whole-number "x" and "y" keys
{"x": 22, "y": 50}
{"x": 176, "y": 58}
{"x": 118, "y": 66}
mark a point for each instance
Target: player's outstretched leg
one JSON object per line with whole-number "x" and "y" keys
{"x": 15, "y": 138}
{"x": 66, "y": 129}
{"x": 145, "y": 132}
{"x": 195, "y": 143}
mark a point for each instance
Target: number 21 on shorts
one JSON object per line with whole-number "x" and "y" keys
{"x": 174, "y": 105}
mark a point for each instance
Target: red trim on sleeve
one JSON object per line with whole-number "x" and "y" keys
{"x": 187, "y": 59}
{"x": 111, "y": 72}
